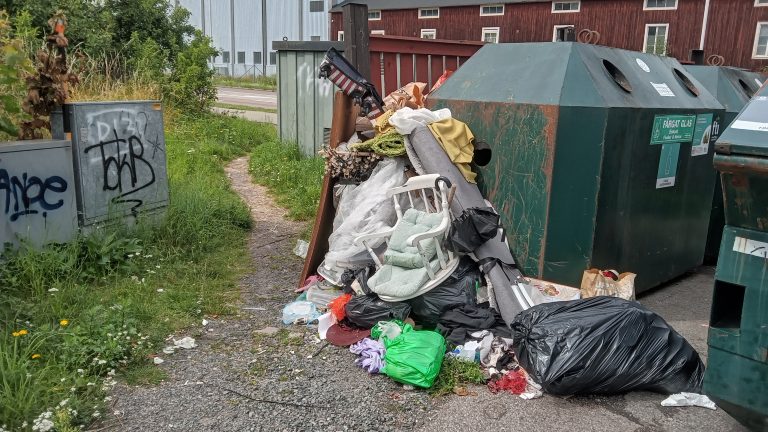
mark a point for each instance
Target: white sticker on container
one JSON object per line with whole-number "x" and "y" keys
{"x": 663, "y": 89}
{"x": 83, "y": 136}
{"x": 750, "y": 247}
{"x": 750, "y": 125}
{"x": 642, "y": 65}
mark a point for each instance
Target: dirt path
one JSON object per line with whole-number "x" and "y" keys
{"x": 238, "y": 379}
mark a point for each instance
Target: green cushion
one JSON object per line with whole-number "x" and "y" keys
{"x": 413, "y": 222}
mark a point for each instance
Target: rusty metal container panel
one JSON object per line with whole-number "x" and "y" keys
{"x": 37, "y": 193}
{"x": 584, "y": 174}
{"x": 119, "y": 158}
{"x": 733, "y": 88}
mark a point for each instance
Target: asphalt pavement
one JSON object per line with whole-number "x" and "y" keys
{"x": 248, "y": 97}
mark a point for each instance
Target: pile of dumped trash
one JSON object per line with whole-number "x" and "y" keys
{"x": 418, "y": 268}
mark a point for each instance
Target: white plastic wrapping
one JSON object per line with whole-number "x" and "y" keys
{"x": 364, "y": 209}
{"x": 405, "y": 120}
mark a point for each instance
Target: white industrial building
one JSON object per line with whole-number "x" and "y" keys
{"x": 243, "y": 30}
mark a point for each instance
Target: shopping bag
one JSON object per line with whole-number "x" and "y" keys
{"x": 610, "y": 283}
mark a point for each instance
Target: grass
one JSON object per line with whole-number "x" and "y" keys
{"x": 106, "y": 286}
{"x": 455, "y": 372}
{"x": 258, "y": 82}
{"x": 243, "y": 107}
{"x": 295, "y": 181}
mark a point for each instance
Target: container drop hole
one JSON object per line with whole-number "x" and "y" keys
{"x": 685, "y": 81}
{"x": 617, "y": 76}
{"x": 746, "y": 89}
{"x": 727, "y": 304}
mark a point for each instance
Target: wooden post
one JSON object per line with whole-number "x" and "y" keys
{"x": 356, "y": 38}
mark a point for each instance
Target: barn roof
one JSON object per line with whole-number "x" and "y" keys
{"x": 413, "y": 4}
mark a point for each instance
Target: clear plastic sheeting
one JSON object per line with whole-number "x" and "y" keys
{"x": 364, "y": 209}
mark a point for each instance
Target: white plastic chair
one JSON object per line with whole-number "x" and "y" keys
{"x": 431, "y": 192}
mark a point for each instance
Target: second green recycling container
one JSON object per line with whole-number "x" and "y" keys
{"x": 601, "y": 156}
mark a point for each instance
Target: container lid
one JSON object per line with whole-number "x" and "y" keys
{"x": 748, "y": 134}
{"x": 733, "y": 87}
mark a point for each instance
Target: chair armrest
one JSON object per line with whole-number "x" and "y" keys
{"x": 358, "y": 240}
{"x": 434, "y": 232}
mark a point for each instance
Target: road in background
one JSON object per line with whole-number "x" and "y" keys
{"x": 248, "y": 97}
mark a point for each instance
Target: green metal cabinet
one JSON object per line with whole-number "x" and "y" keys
{"x": 733, "y": 87}
{"x": 737, "y": 372}
{"x": 592, "y": 162}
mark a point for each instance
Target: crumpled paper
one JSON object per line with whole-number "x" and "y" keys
{"x": 688, "y": 399}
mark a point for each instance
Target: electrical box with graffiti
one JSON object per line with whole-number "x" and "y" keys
{"x": 119, "y": 159}
{"x": 37, "y": 193}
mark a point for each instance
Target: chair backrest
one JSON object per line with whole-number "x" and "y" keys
{"x": 431, "y": 189}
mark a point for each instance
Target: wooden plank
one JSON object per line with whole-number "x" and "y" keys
{"x": 357, "y": 38}
{"x": 343, "y": 126}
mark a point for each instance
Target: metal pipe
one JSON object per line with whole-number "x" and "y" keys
{"x": 265, "y": 53}
{"x": 233, "y": 52}
{"x": 704, "y": 21}
{"x": 202, "y": 15}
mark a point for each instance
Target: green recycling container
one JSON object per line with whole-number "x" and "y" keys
{"x": 737, "y": 369}
{"x": 733, "y": 87}
{"x": 600, "y": 156}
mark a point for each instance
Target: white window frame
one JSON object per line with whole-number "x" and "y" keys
{"x": 490, "y": 30}
{"x": 433, "y": 32}
{"x": 491, "y": 14}
{"x": 758, "y": 4}
{"x": 646, "y": 7}
{"x": 378, "y": 32}
{"x": 374, "y": 19}
{"x": 340, "y": 36}
{"x": 757, "y": 36}
{"x": 429, "y": 17}
{"x": 666, "y": 38}
{"x": 578, "y": 7}
{"x": 558, "y": 27}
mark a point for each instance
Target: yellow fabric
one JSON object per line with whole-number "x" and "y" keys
{"x": 458, "y": 142}
{"x": 382, "y": 125}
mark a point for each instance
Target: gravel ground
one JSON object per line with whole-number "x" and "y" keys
{"x": 250, "y": 372}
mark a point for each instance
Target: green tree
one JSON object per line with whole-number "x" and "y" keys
{"x": 191, "y": 81}
{"x": 13, "y": 64}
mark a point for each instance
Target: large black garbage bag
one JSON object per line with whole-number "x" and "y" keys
{"x": 366, "y": 310}
{"x": 473, "y": 227}
{"x": 459, "y": 289}
{"x": 604, "y": 345}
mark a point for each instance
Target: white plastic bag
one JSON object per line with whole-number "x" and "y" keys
{"x": 300, "y": 312}
{"x": 688, "y": 399}
{"x": 405, "y": 120}
{"x": 362, "y": 210}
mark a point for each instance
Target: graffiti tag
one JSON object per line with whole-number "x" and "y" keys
{"x": 30, "y": 195}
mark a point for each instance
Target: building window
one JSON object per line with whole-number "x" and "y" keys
{"x": 225, "y": 56}
{"x": 428, "y": 34}
{"x": 377, "y": 32}
{"x": 487, "y": 10}
{"x": 490, "y": 34}
{"x": 273, "y": 58}
{"x": 761, "y": 41}
{"x": 560, "y": 32}
{"x": 340, "y": 36}
{"x": 316, "y": 6}
{"x": 257, "y": 57}
{"x": 566, "y": 6}
{"x": 374, "y": 15}
{"x": 761, "y": 2}
{"x": 660, "y": 4}
{"x": 656, "y": 39}
{"x": 314, "y": 38}
{"x": 241, "y": 57}
{"x": 426, "y": 13}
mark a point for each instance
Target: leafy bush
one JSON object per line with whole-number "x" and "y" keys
{"x": 191, "y": 81}
{"x": 13, "y": 63}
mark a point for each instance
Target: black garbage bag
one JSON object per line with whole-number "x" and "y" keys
{"x": 604, "y": 345}
{"x": 459, "y": 289}
{"x": 366, "y": 310}
{"x": 473, "y": 227}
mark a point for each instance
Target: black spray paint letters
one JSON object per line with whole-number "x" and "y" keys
{"x": 124, "y": 166}
{"x": 30, "y": 195}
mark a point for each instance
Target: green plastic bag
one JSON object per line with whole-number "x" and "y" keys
{"x": 414, "y": 357}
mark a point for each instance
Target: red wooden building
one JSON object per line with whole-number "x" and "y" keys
{"x": 737, "y": 30}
